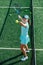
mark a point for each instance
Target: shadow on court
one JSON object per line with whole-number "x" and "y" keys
{"x": 7, "y": 60}
{"x": 14, "y": 62}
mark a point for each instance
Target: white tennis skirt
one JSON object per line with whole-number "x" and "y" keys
{"x": 24, "y": 39}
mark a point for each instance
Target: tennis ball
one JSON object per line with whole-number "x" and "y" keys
{"x": 17, "y": 21}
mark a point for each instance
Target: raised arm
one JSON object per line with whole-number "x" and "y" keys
{"x": 21, "y": 23}
{"x": 20, "y": 17}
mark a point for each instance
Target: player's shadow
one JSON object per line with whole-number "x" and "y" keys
{"x": 7, "y": 60}
{"x": 14, "y": 62}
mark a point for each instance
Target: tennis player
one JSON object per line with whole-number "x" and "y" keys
{"x": 24, "y": 37}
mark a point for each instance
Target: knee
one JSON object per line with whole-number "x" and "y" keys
{"x": 21, "y": 46}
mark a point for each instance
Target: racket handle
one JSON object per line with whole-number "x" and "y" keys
{"x": 17, "y": 11}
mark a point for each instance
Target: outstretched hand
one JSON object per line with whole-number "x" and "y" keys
{"x": 19, "y": 17}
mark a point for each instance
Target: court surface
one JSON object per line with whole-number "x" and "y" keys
{"x": 38, "y": 30}
{"x": 9, "y": 41}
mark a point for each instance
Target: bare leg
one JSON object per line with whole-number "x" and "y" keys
{"x": 23, "y": 49}
{"x": 26, "y": 47}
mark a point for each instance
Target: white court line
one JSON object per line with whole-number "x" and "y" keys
{"x": 3, "y": 48}
{"x": 21, "y": 7}
{"x": 38, "y": 7}
{"x": 14, "y": 7}
{"x": 35, "y": 58}
{"x": 38, "y": 49}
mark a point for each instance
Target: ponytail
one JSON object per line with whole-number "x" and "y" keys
{"x": 29, "y": 21}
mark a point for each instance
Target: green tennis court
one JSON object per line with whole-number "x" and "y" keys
{"x": 38, "y": 30}
{"x": 13, "y": 57}
{"x": 3, "y": 13}
{"x": 4, "y": 3}
{"x": 11, "y": 33}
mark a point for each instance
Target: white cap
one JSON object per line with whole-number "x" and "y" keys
{"x": 26, "y": 16}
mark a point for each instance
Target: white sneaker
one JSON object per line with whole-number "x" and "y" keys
{"x": 28, "y": 51}
{"x": 24, "y": 58}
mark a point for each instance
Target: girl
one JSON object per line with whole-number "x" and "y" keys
{"x": 24, "y": 35}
